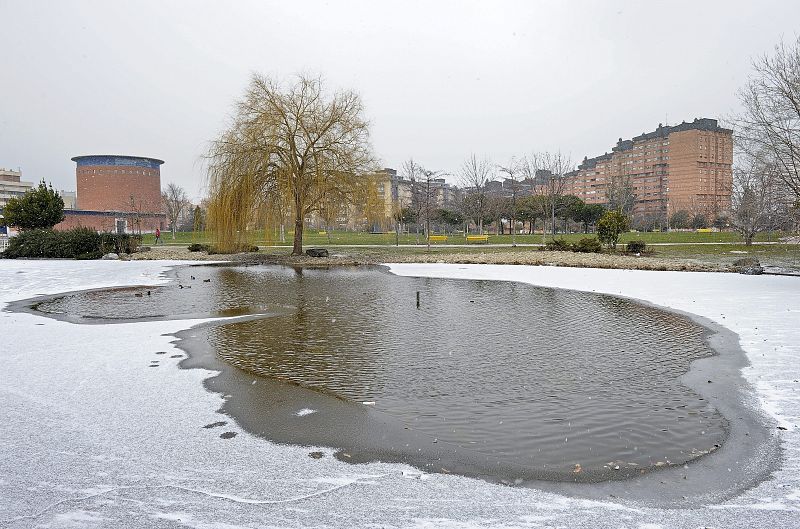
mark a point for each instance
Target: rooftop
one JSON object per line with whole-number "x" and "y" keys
{"x": 661, "y": 131}
{"x": 117, "y": 159}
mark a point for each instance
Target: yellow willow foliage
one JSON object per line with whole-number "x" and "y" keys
{"x": 288, "y": 152}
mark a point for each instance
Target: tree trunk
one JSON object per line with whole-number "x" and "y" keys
{"x": 297, "y": 247}
{"x": 428, "y": 234}
{"x": 513, "y": 231}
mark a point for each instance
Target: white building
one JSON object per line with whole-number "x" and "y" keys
{"x": 11, "y": 185}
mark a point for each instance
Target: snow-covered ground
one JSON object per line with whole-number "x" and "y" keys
{"x": 91, "y": 436}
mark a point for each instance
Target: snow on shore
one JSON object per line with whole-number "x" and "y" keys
{"x": 92, "y": 436}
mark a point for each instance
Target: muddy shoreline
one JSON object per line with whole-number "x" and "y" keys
{"x": 354, "y": 256}
{"x": 355, "y": 433}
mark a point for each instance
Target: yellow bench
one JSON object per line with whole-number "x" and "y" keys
{"x": 477, "y": 238}
{"x": 323, "y": 232}
{"x": 437, "y": 238}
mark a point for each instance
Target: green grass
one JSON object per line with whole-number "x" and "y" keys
{"x": 313, "y": 238}
{"x": 774, "y": 254}
{"x": 719, "y": 248}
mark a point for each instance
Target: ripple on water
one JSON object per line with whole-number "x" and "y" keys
{"x": 545, "y": 378}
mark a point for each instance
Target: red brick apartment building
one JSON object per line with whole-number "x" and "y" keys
{"x": 681, "y": 167}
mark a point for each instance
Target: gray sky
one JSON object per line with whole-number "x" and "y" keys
{"x": 440, "y": 80}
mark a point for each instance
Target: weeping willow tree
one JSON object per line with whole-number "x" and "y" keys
{"x": 288, "y": 151}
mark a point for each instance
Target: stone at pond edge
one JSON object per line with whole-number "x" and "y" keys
{"x": 749, "y": 266}
{"x": 110, "y": 257}
{"x": 317, "y": 252}
{"x": 747, "y": 262}
{"x": 752, "y": 271}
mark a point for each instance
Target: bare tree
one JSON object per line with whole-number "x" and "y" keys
{"x": 295, "y": 142}
{"x": 546, "y": 172}
{"x": 770, "y": 121}
{"x": 475, "y": 173}
{"x": 430, "y": 204}
{"x": 620, "y": 195}
{"x": 756, "y": 195}
{"x": 421, "y": 198}
{"x": 137, "y": 208}
{"x": 175, "y": 202}
{"x": 512, "y": 171}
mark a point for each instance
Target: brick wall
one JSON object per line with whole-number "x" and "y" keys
{"x": 107, "y": 221}
{"x": 119, "y": 188}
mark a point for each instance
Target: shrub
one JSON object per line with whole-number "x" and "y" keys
{"x": 239, "y": 249}
{"x": 680, "y": 219}
{"x": 637, "y": 246}
{"x": 699, "y": 221}
{"x": 77, "y": 243}
{"x": 119, "y": 242}
{"x": 33, "y": 243}
{"x": 558, "y": 245}
{"x": 610, "y": 226}
{"x": 588, "y": 245}
{"x": 197, "y": 247}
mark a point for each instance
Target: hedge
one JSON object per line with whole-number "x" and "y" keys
{"x": 77, "y": 243}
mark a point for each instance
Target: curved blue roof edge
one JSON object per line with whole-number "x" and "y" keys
{"x": 117, "y": 159}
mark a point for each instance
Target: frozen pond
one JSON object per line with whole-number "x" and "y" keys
{"x": 567, "y": 385}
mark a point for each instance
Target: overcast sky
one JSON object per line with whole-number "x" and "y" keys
{"x": 440, "y": 80}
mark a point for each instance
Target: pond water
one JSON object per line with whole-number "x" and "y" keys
{"x": 555, "y": 380}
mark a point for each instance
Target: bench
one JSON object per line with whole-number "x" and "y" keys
{"x": 477, "y": 238}
{"x": 323, "y": 232}
{"x": 437, "y": 238}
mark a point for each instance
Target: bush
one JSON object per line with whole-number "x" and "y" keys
{"x": 610, "y": 226}
{"x": 558, "y": 245}
{"x": 680, "y": 219}
{"x": 250, "y": 248}
{"x": 77, "y": 243}
{"x": 197, "y": 247}
{"x": 588, "y": 245}
{"x": 119, "y": 243}
{"x": 637, "y": 246}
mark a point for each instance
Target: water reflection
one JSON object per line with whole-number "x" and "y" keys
{"x": 545, "y": 378}
{"x": 552, "y": 377}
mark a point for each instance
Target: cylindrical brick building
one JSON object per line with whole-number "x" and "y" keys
{"x": 117, "y": 193}
{"x": 118, "y": 183}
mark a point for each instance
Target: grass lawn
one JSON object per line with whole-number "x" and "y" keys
{"x": 787, "y": 255}
{"x": 313, "y": 238}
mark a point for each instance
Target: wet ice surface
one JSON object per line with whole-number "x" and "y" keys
{"x": 573, "y": 385}
{"x": 107, "y": 442}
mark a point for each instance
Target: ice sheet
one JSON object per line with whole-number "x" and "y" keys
{"x": 93, "y": 437}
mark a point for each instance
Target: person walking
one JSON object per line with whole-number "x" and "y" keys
{"x": 158, "y": 236}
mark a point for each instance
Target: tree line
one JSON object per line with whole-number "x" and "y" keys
{"x": 291, "y": 150}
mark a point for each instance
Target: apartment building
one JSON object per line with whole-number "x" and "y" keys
{"x": 680, "y": 167}
{"x": 12, "y": 185}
